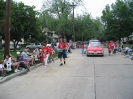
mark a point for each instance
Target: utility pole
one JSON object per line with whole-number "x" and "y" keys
{"x": 7, "y": 28}
{"x": 73, "y": 21}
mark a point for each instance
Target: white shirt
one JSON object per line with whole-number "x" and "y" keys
{"x": 1, "y": 66}
{"x": 9, "y": 61}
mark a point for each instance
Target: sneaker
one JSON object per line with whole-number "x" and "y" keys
{"x": 18, "y": 70}
{"x": 29, "y": 69}
{"x": 61, "y": 64}
{"x": 23, "y": 69}
{"x": 15, "y": 71}
{"x": 64, "y": 62}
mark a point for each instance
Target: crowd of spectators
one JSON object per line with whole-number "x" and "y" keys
{"x": 23, "y": 61}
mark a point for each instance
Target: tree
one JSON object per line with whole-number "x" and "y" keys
{"x": 23, "y": 22}
{"x": 2, "y": 16}
{"x": 118, "y": 19}
{"x": 57, "y": 16}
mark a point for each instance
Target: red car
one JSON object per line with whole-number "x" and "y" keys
{"x": 95, "y": 48}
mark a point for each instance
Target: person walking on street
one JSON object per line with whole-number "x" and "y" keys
{"x": 51, "y": 54}
{"x": 82, "y": 49}
{"x": 62, "y": 51}
{"x": 45, "y": 55}
{"x": 111, "y": 47}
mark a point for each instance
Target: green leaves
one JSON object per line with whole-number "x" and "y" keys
{"x": 118, "y": 19}
{"x": 58, "y": 16}
{"x": 24, "y": 21}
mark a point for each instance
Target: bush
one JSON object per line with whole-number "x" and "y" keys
{"x": 130, "y": 41}
{"x": 23, "y": 45}
{"x": 124, "y": 42}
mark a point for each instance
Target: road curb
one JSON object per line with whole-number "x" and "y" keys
{"x": 6, "y": 78}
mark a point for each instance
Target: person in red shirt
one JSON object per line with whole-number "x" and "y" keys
{"x": 111, "y": 47}
{"x": 45, "y": 54}
{"x": 62, "y": 51}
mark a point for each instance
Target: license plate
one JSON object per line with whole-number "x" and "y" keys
{"x": 95, "y": 52}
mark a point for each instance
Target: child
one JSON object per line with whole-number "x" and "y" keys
{"x": 2, "y": 68}
{"x": 51, "y": 54}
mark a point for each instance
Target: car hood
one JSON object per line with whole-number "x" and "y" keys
{"x": 95, "y": 48}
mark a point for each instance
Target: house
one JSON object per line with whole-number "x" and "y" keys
{"x": 51, "y": 36}
{"x": 130, "y": 37}
{"x": 125, "y": 39}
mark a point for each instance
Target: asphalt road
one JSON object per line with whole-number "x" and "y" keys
{"x": 108, "y": 77}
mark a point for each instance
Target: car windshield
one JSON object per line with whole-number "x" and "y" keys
{"x": 95, "y": 44}
{"x": 94, "y": 41}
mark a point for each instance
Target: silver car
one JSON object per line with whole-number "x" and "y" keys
{"x": 12, "y": 47}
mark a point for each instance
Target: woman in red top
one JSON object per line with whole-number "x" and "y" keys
{"x": 45, "y": 54}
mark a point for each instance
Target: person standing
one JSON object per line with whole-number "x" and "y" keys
{"x": 51, "y": 54}
{"x": 82, "y": 49}
{"x": 62, "y": 51}
{"x": 45, "y": 55}
{"x": 111, "y": 47}
{"x": 121, "y": 44}
{"x": 85, "y": 48}
{"x": 109, "y": 51}
{"x": 115, "y": 48}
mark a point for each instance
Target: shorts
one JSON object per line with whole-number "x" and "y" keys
{"x": 29, "y": 59}
{"x": 62, "y": 54}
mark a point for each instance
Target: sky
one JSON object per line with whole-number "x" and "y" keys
{"x": 94, "y": 7}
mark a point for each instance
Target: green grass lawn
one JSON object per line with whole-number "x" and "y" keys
{"x": 129, "y": 45}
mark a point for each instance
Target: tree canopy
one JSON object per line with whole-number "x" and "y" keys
{"x": 57, "y": 15}
{"x": 24, "y": 22}
{"x": 118, "y": 19}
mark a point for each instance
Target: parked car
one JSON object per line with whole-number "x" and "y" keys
{"x": 12, "y": 47}
{"x": 33, "y": 46}
{"x": 95, "y": 48}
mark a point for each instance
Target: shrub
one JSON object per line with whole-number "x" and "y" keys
{"x": 130, "y": 41}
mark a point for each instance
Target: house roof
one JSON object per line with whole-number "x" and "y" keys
{"x": 130, "y": 36}
{"x": 47, "y": 30}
